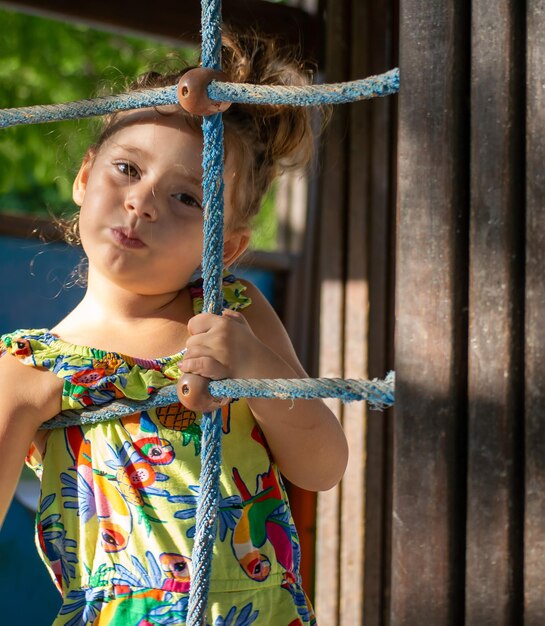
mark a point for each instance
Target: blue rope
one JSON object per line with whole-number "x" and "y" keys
{"x": 206, "y": 517}
{"x": 212, "y": 272}
{"x": 381, "y": 85}
{"x": 212, "y": 184}
{"x": 379, "y": 394}
{"x": 138, "y": 99}
{"x": 309, "y": 95}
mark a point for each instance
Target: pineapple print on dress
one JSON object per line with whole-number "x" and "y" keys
{"x": 176, "y": 417}
{"x": 144, "y": 432}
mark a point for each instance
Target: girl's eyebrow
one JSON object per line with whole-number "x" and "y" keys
{"x": 129, "y": 148}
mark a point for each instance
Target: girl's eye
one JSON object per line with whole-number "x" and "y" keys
{"x": 127, "y": 169}
{"x": 188, "y": 199}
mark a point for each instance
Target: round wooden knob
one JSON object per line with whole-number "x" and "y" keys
{"x": 192, "y": 91}
{"x": 193, "y": 393}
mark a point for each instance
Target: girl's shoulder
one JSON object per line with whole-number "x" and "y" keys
{"x": 89, "y": 376}
{"x": 30, "y": 391}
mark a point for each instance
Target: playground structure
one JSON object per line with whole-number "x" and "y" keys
{"x": 440, "y": 514}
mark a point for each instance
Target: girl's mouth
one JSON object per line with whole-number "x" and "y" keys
{"x": 126, "y": 238}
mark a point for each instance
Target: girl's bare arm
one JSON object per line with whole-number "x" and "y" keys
{"x": 28, "y": 397}
{"x": 304, "y": 436}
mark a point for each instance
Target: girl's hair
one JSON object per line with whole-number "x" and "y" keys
{"x": 262, "y": 140}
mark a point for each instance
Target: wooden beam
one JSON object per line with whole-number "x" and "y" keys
{"x": 35, "y": 227}
{"x": 534, "y": 531}
{"x": 381, "y": 37}
{"x": 29, "y": 227}
{"x": 496, "y": 332}
{"x": 180, "y": 22}
{"x": 431, "y": 295}
{"x": 331, "y": 277}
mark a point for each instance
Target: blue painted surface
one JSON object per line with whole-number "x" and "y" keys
{"x": 33, "y": 283}
{"x": 28, "y": 594}
{"x": 34, "y": 294}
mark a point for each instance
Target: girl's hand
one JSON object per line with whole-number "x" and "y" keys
{"x": 304, "y": 437}
{"x": 220, "y": 347}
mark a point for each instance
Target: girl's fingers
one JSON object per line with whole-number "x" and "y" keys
{"x": 204, "y": 322}
{"x": 234, "y": 316}
{"x": 199, "y": 349}
{"x": 201, "y": 323}
{"x": 204, "y": 366}
{"x": 196, "y": 346}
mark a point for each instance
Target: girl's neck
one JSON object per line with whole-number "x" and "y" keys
{"x": 114, "y": 319}
{"x": 112, "y": 302}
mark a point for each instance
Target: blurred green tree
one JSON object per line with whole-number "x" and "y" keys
{"x": 46, "y": 61}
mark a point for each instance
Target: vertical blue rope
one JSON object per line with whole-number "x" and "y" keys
{"x": 212, "y": 269}
{"x": 212, "y": 182}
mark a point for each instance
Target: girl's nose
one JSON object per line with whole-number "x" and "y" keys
{"x": 142, "y": 203}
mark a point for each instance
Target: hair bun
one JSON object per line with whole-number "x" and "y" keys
{"x": 283, "y": 131}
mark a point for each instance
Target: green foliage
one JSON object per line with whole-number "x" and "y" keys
{"x": 45, "y": 61}
{"x": 265, "y": 224}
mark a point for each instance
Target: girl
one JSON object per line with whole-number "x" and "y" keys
{"x": 116, "y": 519}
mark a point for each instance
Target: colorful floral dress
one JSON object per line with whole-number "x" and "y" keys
{"x": 116, "y": 517}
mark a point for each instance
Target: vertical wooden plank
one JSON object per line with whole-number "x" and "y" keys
{"x": 534, "y": 532}
{"x": 429, "y": 427}
{"x": 381, "y": 37}
{"x": 290, "y": 205}
{"x": 331, "y": 277}
{"x": 356, "y": 319}
{"x": 493, "y": 593}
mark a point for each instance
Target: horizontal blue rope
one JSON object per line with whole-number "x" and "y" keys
{"x": 382, "y": 85}
{"x": 378, "y": 393}
{"x": 307, "y": 95}
{"x": 39, "y": 113}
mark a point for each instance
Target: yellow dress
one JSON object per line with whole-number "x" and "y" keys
{"x": 116, "y": 517}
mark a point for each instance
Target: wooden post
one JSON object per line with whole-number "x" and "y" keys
{"x": 534, "y": 528}
{"x": 356, "y": 337}
{"x": 381, "y": 38}
{"x": 431, "y": 276}
{"x": 331, "y": 280}
{"x": 496, "y": 334}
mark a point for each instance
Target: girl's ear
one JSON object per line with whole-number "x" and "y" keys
{"x": 235, "y": 244}
{"x": 79, "y": 185}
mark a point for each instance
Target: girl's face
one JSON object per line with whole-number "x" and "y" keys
{"x": 141, "y": 216}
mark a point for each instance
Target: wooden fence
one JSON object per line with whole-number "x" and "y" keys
{"x": 468, "y": 500}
